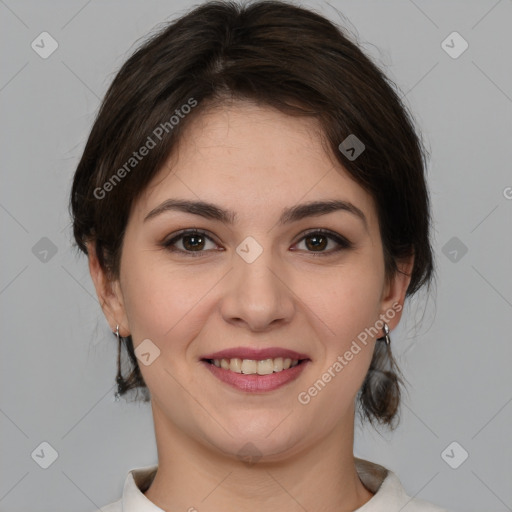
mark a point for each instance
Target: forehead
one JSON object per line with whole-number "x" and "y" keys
{"x": 252, "y": 158}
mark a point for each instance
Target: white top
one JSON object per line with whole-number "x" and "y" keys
{"x": 389, "y": 495}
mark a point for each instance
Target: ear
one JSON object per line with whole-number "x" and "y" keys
{"x": 109, "y": 293}
{"x": 395, "y": 290}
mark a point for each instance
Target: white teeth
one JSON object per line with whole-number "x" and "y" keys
{"x": 249, "y": 366}
{"x": 278, "y": 364}
{"x": 265, "y": 367}
{"x": 253, "y": 367}
{"x": 235, "y": 365}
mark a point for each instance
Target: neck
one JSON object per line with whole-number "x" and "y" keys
{"x": 192, "y": 476}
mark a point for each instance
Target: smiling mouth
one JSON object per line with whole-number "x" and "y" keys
{"x": 256, "y": 367}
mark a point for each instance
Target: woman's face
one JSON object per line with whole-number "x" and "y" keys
{"x": 253, "y": 282}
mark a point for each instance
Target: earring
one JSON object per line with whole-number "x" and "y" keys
{"x": 119, "y": 378}
{"x": 386, "y": 336}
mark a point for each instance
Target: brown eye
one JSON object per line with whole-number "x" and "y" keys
{"x": 193, "y": 243}
{"x": 317, "y": 241}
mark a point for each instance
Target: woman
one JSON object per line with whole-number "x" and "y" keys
{"x": 253, "y": 204}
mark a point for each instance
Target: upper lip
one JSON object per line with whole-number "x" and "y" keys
{"x": 256, "y": 353}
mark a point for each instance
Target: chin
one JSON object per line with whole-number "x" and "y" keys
{"x": 252, "y": 442}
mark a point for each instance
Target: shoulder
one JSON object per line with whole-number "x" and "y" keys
{"x": 389, "y": 494}
{"x": 393, "y": 492}
{"x": 133, "y": 498}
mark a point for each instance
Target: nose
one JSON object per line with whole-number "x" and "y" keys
{"x": 258, "y": 295}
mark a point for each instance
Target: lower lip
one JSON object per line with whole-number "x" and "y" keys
{"x": 255, "y": 383}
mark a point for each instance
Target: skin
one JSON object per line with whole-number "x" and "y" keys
{"x": 255, "y": 161}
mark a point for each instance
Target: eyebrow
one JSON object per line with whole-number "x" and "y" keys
{"x": 288, "y": 215}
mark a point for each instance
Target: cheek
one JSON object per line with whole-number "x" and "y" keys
{"x": 346, "y": 304}
{"x": 343, "y": 315}
{"x": 162, "y": 302}
{"x": 346, "y": 300}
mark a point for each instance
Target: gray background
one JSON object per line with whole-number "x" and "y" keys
{"x": 58, "y": 355}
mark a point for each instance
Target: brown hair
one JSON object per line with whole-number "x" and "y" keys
{"x": 279, "y": 55}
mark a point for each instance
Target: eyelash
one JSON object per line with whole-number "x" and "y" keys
{"x": 341, "y": 241}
